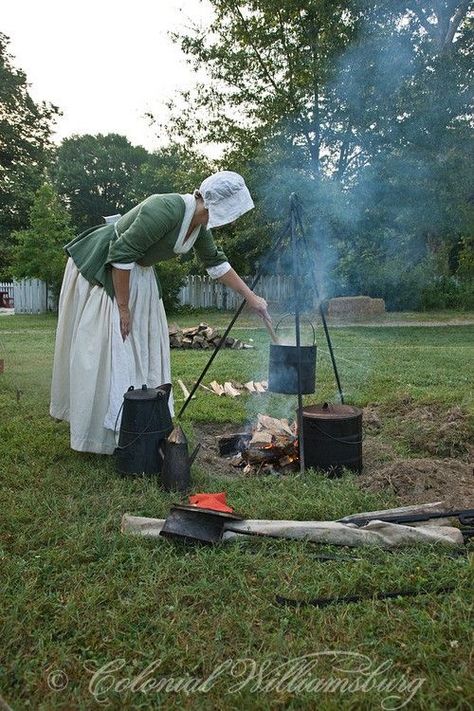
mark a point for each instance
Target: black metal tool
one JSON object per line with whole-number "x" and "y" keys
{"x": 345, "y": 599}
{"x": 464, "y": 516}
{"x": 193, "y": 524}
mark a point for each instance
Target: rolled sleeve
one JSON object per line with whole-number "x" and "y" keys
{"x": 220, "y": 270}
{"x": 125, "y": 267}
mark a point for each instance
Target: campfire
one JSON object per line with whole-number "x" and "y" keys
{"x": 271, "y": 446}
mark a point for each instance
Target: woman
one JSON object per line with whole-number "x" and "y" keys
{"x": 112, "y": 330}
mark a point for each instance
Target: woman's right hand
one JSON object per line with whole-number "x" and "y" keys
{"x": 124, "y": 312}
{"x": 259, "y": 306}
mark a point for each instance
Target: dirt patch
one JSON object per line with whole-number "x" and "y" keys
{"x": 426, "y": 430}
{"x": 209, "y": 458}
{"x": 419, "y": 452}
{"x": 417, "y": 481}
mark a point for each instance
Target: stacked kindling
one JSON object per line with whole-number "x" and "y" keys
{"x": 202, "y": 336}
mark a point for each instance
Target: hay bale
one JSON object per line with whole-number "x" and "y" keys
{"x": 350, "y": 307}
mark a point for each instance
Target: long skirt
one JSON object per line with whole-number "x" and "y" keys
{"x": 93, "y": 367}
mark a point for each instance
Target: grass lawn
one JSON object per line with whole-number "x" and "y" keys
{"x": 77, "y": 595}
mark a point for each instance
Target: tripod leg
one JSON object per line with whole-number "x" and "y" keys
{"x": 228, "y": 329}
{"x": 296, "y": 286}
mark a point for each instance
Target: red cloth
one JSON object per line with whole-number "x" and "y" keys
{"x": 217, "y": 502}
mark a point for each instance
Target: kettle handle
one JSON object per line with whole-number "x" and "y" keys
{"x": 304, "y": 319}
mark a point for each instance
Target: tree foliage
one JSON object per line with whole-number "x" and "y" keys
{"x": 25, "y": 132}
{"x": 364, "y": 108}
{"x": 95, "y": 174}
{"x": 38, "y": 252}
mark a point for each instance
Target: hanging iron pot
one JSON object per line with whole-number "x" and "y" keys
{"x": 146, "y": 422}
{"x": 283, "y": 366}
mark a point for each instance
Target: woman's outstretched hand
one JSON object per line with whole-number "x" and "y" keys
{"x": 124, "y": 312}
{"x": 259, "y": 305}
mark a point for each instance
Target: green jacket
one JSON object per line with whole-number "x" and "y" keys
{"x": 146, "y": 235}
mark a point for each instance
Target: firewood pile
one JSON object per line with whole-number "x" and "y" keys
{"x": 202, "y": 336}
{"x": 271, "y": 446}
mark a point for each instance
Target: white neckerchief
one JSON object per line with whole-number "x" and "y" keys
{"x": 181, "y": 247}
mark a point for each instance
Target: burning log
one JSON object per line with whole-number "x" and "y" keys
{"x": 273, "y": 425}
{"x": 271, "y": 447}
{"x": 261, "y": 438}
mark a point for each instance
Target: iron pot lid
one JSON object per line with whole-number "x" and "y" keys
{"x": 145, "y": 393}
{"x": 331, "y": 411}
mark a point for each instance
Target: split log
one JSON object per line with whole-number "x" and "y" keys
{"x": 259, "y": 388}
{"x": 197, "y": 342}
{"x": 260, "y": 438}
{"x": 250, "y": 386}
{"x": 218, "y": 389}
{"x": 200, "y": 336}
{"x": 231, "y": 391}
{"x": 274, "y": 425}
{"x": 185, "y": 390}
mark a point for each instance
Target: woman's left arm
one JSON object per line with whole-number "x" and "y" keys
{"x": 256, "y": 303}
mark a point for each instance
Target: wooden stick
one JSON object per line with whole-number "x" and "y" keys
{"x": 271, "y": 331}
{"x": 184, "y": 388}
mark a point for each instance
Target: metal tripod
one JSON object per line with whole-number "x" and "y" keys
{"x": 293, "y": 232}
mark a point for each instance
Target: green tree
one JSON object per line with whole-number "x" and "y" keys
{"x": 362, "y": 107}
{"x": 95, "y": 175}
{"x": 25, "y": 133}
{"x": 38, "y": 252}
{"x": 170, "y": 170}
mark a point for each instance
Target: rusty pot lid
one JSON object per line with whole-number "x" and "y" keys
{"x": 331, "y": 411}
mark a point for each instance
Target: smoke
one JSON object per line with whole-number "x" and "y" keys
{"x": 371, "y": 214}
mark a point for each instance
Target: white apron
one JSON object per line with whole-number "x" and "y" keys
{"x": 93, "y": 366}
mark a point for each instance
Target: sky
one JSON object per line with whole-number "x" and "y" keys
{"x": 104, "y": 63}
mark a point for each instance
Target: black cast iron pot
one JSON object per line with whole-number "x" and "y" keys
{"x": 283, "y": 367}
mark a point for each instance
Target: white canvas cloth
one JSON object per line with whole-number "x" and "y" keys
{"x": 93, "y": 366}
{"x": 375, "y": 533}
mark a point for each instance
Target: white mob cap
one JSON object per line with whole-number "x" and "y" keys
{"x": 226, "y": 197}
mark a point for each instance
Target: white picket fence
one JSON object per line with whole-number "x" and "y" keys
{"x": 204, "y": 292}
{"x": 31, "y": 296}
{"x": 28, "y": 296}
